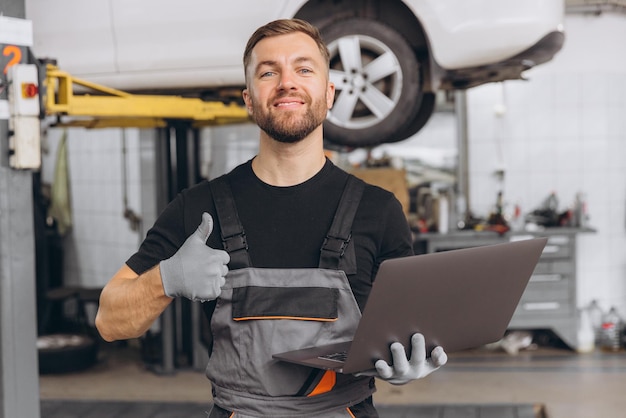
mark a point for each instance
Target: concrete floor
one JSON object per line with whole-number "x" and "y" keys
{"x": 570, "y": 385}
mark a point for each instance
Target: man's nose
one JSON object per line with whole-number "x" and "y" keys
{"x": 287, "y": 81}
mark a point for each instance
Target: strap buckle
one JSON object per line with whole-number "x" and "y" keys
{"x": 336, "y": 244}
{"x": 235, "y": 243}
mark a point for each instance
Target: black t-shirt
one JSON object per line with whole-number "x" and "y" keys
{"x": 286, "y": 226}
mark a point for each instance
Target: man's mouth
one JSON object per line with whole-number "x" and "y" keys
{"x": 289, "y": 102}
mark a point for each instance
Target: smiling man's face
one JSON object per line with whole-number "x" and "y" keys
{"x": 289, "y": 93}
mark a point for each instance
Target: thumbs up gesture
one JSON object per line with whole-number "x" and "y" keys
{"x": 196, "y": 271}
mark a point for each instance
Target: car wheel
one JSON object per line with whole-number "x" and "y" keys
{"x": 63, "y": 353}
{"x": 377, "y": 80}
{"x": 426, "y": 109}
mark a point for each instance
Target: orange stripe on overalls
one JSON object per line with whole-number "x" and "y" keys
{"x": 326, "y": 383}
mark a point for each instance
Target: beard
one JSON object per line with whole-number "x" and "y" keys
{"x": 290, "y": 127}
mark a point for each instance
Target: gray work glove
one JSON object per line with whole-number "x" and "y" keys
{"x": 405, "y": 370}
{"x": 196, "y": 271}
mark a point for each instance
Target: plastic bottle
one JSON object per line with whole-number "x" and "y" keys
{"x": 595, "y": 316}
{"x": 610, "y": 337}
{"x": 577, "y": 211}
{"x": 443, "y": 222}
{"x": 517, "y": 220}
{"x": 585, "y": 334}
{"x": 552, "y": 202}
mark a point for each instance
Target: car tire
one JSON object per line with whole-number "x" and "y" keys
{"x": 426, "y": 109}
{"x": 64, "y": 353}
{"x": 379, "y": 96}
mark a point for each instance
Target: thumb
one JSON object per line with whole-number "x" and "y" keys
{"x": 205, "y": 228}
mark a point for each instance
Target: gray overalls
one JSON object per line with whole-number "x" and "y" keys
{"x": 262, "y": 311}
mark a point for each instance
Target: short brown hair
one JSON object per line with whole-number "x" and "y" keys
{"x": 284, "y": 27}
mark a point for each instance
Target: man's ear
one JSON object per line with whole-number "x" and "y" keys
{"x": 247, "y": 100}
{"x": 330, "y": 95}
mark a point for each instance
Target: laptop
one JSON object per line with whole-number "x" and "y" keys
{"x": 459, "y": 299}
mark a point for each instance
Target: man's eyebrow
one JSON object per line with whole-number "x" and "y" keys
{"x": 272, "y": 63}
{"x": 266, "y": 63}
{"x": 300, "y": 60}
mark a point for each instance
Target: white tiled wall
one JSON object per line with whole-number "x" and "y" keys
{"x": 564, "y": 130}
{"x": 232, "y": 145}
{"x": 101, "y": 239}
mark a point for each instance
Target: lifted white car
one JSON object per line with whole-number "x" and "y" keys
{"x": 388, "y": 57}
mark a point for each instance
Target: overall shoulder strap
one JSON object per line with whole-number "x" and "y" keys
{"x": 337, "y": 251}
{"x": 233, "y": 234}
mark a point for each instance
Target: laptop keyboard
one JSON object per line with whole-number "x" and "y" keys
{"x": 340, "y": 356}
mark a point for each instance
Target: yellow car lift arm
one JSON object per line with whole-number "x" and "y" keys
{"x": 109, "y": 107}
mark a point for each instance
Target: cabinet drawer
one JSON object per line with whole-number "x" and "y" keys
{"x": 548, "y": 267}
{"x": 547, "y": 291}
{"x": 547, "y": 294}
{"x": 558, "y": 246}
{"x": 543, "y": 309}
{"x": 550, "y": 277}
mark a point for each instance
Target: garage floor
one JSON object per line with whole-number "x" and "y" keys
{"x": 151, "y": 409}
{"x": 567, "y": 384}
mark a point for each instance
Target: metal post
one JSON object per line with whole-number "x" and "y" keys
{"x": 163, "y": 182}
{"x": 463, "y": 208}
{"x": 19, "y": 391}
{"x": 19, "y": 374}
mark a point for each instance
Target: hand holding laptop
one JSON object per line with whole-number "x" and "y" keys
{"x": 405, "y": 370}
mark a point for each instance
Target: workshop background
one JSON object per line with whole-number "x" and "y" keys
{"x": 560, "y": 133}
{"x": 563, "y": 130}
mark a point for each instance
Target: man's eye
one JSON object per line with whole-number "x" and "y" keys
{"x": 306, "y": 70}
{"x": 267, "y": 74}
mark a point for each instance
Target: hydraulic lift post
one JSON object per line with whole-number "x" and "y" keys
{"x": 19, "y": 375}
